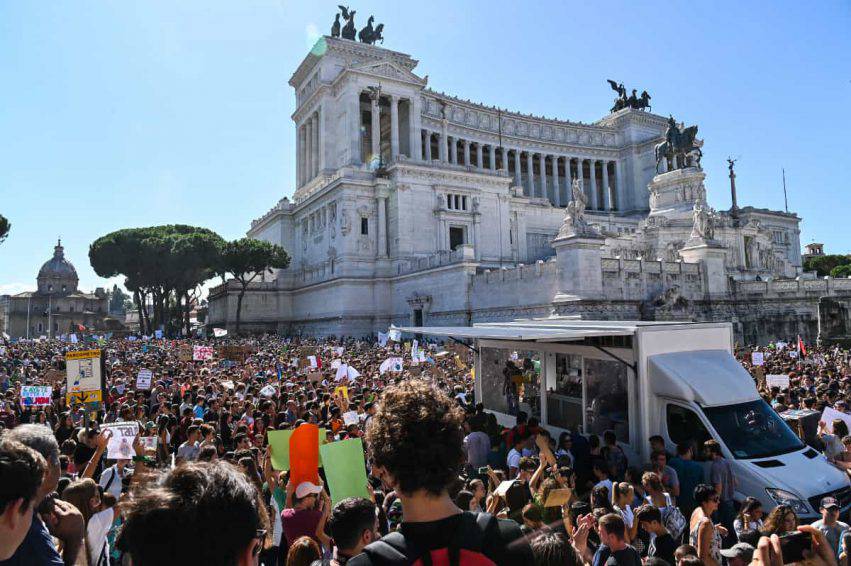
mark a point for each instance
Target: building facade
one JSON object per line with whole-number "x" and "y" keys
{"x": 56, "y": 307}
{"x": 413, "y": 206}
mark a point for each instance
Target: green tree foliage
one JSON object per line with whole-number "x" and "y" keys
{"x": 5, "y": 226}
{"x": 824, "y": 264}
{"x": 246, "y": 259}
{"x": 841, "y": 271}
{"x": 163, "y": 267}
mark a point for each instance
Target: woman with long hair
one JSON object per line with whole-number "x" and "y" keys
{"x": 703, "y": 534}
{"x": 64, "y": 429}
{"x": 749, "y": 517}
{"x": 782, "y": 519}
{"x": 85, "y": 495}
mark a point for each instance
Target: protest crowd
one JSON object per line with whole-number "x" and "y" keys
{"x": 299, "y": 452}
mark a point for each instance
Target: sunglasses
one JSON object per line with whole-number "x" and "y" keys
{"x": 260, "y": 534}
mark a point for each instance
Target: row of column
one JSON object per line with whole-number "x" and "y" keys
{"x": 309, "y": 141}
{"x": 375, "y": 126}
{"x": 601, "y": 187}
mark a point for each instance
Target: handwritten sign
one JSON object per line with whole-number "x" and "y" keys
{"x": 83, "y": 370}
{"x": 36, "y": 395}
{"x": 757, "y": 358}
{"x": 350, "y": 418}
{"x": 120, "y": 446}
{"x": 830, "y": 414}
{"x": 777, "y": 380}
{"x": 143, "y": 379}
{"x": 202, "y": 353}
{"x": 185, "y": 353}
{"x": 149, "y": 442}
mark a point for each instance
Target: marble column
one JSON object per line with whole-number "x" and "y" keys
{"x": 321, "y": 162}
{"x": 619, "y": 187}
{"x": 479, "y": 156}
{"x": 444, "y": 143}
{"x": 491, "y": 157}
{"x": 428, "y": 146}
{"x": 453, "y": 151}
{"x": 309, "y": 151}
{"x": 375, "y": 131}
{"x": 316, "y": 143}
{"x": 542, "y": 169}
{"x": 517, "y": 179}
{"x": 607, "y": 195}
{"x": 299, "y": 167}
{"x": 394, "y": 127}
{"x": 382, "y": 226}
{"x": 505, "y": 159}
{"x": 530, "y": 174}
{"x": 414, "y": 127}
{"x": 467, "y": 153}
{"x": 556, "y": 187}
{"x": 592, "y": 180}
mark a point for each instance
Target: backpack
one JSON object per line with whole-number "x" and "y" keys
{"x": 464, "y": 550}
{"x": 673, "y": 519}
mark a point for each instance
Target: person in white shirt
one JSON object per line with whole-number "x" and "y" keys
{"x": 110, "y": 479}
{"x": 85, "y": 496}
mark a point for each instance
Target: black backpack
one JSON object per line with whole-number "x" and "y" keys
{"x": 466, "y": 547}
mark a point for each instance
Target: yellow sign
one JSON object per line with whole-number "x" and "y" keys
{"x": 82, "y": 355}
{"x": 342, "y": 389}
{"x": 84, "y": 397}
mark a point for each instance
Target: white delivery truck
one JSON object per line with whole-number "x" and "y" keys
{"x": 677, "y": 380}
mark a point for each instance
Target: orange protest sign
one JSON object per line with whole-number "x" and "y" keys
{"x": 304, "y": 454}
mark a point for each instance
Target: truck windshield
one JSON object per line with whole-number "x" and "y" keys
{"x": 752, "y": 430}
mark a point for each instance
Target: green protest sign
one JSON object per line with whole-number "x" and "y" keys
{"x": 279, "y": 440}
{"x": 345, "y": 471}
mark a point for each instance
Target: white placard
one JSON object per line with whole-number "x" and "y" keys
{"x": 36, "y": 395}
{"x": 830, "y": 414}
{"x": 793, "y": 353}
{"x": 219, "y": 332}
{"x": 346, "y": 371}
{"x": 757, "y": 358}
{"x": 83, "y": 370}
{"x": 350, "y": 418}
{"x": 202, "y": 353}
{"x": 313, "y": 362}
{"x": 143, "y": 379}
{"x": 391, "y": 364}
{"x": 780, "y": 380}
{"x": 149, "y": 442}
{"x": 267, "y": 391}
{"x": 120, "y": 446}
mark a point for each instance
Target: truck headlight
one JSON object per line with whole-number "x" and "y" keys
{"x": 783, "y": 497}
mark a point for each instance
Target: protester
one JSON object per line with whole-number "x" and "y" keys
{"x": 749, "y": 517}
{"x": 21, "y": 475}
{"x": 614, "y": 549}
{"x": 781, "y": 520}
{"x": 829, "y": 524}
{"x": 703, "y": 534}
{"x": 662, "y": 544}
{"x": 416, "y": 444}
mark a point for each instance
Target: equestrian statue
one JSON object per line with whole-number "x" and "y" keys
{"x": 681, "y": 147}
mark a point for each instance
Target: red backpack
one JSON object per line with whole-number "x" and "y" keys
{"x": 466, "y": 548}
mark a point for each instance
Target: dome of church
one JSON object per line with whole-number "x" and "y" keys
{"x": 57, "y": 275}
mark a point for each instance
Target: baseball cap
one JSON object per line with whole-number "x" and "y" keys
{"x": 828, "y": 502}
{"x": 741, "y": 550}
{"x": 306, "y": 488}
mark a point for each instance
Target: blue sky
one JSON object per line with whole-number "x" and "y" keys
{"x": 119, "y": 114}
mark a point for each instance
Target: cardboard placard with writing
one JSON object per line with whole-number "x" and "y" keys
{"x": 558, "y": 497}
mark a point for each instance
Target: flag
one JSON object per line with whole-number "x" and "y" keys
{"x": 802, "y": 350}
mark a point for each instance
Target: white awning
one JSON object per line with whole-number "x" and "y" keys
{"x": 522, "y": 333}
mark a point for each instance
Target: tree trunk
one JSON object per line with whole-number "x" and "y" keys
{"x": 144, "y": 320}
{"x": 239, "y": 306}
{"x": 186, "y": 313}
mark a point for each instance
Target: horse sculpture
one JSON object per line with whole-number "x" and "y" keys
{"x": 679, "y": 144}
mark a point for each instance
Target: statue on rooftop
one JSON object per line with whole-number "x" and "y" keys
{"x": 370, "y": 35}
{"x": 349, "y": 29}
{"x": 335, "y": 27}
{"x": 623, "y": 101}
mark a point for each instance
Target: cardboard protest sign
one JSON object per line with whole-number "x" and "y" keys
{"x": 184, "y": 354}
{"x": 202, "y": 353}
{"x": 312, "y": 361}
{"x": 757, "y": 358}
{"x": 304, "y": 454}
{"x": 382, "y": 339}
{"x": 342, "y": 389}
{"x": 793, "y": 353}
{"x": 36, "y": 395}
{"x": 830, "y": 414}
{"x": 143, "y": 379}
{"x": 345, "y": 371}
{"x": 350, "y": 418}
{"x": 149, "y": 442}
{"x": 345, "y": 469}
{"x": 558, "y": 497}
{"x": 279, "y": 440}
{"x": 314, "y": 376}
{"x": 120, "y": 445}
{"x": 219, "y": 332}
{"x": 777, "y": 380}
{"x": 503, "y": 487}
{"x": 227, "y": 384}
{"x": 391, "y": 364}
{"x": 83, "y": 371}
{"x": 53, "y": 376}
{"x": 267, "y": 391}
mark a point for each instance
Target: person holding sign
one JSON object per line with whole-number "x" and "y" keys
{"x": 305, "y": 513}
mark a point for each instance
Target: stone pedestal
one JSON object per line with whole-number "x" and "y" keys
{"x": 674, "y": 193}
{"x": 710, "y": 254}
{"x": 579, "y": 266}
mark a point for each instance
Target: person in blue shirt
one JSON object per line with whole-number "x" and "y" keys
{"x": 690, "y": 475}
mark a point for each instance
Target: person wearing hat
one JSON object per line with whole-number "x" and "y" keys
{"x": 829, "y": 524}
{"x": 302, "y": 516}
{"x": 740, "y": 554}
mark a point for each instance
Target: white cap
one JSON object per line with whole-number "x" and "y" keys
{"x": 306, "y": 488}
